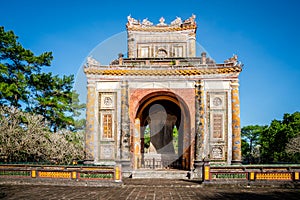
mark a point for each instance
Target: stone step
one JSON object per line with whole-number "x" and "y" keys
{"x": 160, "y": 174}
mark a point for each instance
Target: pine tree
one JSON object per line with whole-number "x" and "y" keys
{"x": 24, "y": 85}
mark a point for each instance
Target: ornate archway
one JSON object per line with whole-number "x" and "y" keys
{"x": 162, "y": 129}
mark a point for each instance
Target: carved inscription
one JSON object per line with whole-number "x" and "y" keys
{"x": 217, "y": 125}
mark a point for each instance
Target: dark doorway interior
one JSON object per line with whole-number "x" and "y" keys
{"x": 162, "y": 135}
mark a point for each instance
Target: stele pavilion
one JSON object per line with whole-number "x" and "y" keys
{"x": 162, "y": 106}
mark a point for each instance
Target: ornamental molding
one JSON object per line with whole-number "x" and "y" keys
{"x": 161, "y": 72}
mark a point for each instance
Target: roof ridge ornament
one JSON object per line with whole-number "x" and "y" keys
{"x": 146, "y": 23}
{"x": 190, "y": 20}
{"x": 92, "y": 61}
{"x": 234, "y": 60}
{"x": 132, "y": 21}
{"x": 176, "y": 23}
{"x": 162, "y": 22}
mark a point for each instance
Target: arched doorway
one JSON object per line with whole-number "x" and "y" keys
{"x": 164, "y": 132}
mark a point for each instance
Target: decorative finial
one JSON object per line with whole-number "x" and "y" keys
{"x": 162, "y": 22}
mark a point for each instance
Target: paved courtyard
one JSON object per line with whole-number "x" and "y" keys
{"x": 145, "y": 189}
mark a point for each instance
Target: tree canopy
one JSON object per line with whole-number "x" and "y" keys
{"x": 277, "y": 142}
{"x": 24, "y": 85}
{"x": 17, "y": 65}
{"x": 250, "y": 139}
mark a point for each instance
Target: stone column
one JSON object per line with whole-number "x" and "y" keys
{"x": 236, "y": 128}
{"x": 137, "y": 144}
{"x": 199, "y": 137}
{"x": 199, "y": 90}
{"x": 125, "y": 124}
{"x": 90, "y": 135}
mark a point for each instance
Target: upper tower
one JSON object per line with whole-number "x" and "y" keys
{"x": 162, "y": 40}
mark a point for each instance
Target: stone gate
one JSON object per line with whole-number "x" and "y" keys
{"x": 161, "y": 102}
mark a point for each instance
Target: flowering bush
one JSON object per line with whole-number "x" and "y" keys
{"x": 25, "y": 137}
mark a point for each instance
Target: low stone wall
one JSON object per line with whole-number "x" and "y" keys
{"x": 52, "y": 174}
{"x": 251, "y": 173}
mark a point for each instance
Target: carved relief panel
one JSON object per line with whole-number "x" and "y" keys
{"x": 217, "y": 107}
{"x": 107, "y": 125}
{"x": 217, "y": 101}
{"x": 107, "y": 115}
{"x": 107, "y": 151}
{"x": 217, "y": 153}
{"x": 107, "y": 101}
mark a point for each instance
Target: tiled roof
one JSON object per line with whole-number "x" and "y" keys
{"x": 161, "y": 72}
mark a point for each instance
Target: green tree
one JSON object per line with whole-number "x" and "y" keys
{"x": 24, "y": 85}
{"x": 245, "y": 150}
{"x": 76, "y": 110}
{"x": 16, "y": 66}
{"x": 268, "y": 141}
{"x": 175, "y": 139}
{"x": 250, "y": 136}
{"x": 290, "y": 135}
{"x": 54, "y": 99}
{"x": 275, "y": 138}
{"x": 147, "y": 138}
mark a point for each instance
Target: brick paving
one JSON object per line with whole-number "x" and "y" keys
{"x": 145, "y": 189}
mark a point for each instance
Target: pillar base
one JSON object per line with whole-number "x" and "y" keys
{"x": 126, "y": 167}
{"x": 197, "y": 173}
{"x": 105, "y": 163}
{"x": 88, "y": 162}
{"x": 236, "y": 162}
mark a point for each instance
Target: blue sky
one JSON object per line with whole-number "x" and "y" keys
{"x": 264, "y": 34}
